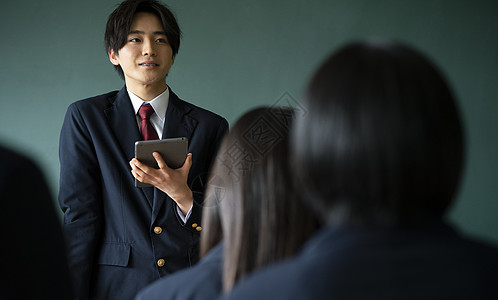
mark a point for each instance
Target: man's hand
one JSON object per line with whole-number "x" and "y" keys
{"x": 171, "y": 181}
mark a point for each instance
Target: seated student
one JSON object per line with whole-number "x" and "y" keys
{"x": 380, "y": 154}
{"x": 33, "y": 257}
{"x": 250, "y": 204}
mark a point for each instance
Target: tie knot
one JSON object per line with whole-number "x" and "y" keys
{"x": 145, "y": 111}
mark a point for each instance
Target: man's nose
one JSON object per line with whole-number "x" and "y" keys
{"x": 148, "y": 48}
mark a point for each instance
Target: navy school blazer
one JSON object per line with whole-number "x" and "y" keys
{"x": 119, "y": 238}
{"x": 430, "y": 260}
{"x": 202, "y": 281}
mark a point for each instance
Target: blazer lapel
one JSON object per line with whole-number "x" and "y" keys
{"x": 123, "y": 123}
{"x": 177, "y": 123}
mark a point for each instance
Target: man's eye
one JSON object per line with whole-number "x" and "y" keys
{"x": 135, "y": 40}
{"x": 162, "y": 41}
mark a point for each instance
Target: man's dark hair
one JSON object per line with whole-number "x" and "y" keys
{"x": 382, "y": 140}
{"x": 120, "y": 20}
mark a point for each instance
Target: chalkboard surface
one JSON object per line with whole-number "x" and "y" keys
{"x": 236, "y": 55}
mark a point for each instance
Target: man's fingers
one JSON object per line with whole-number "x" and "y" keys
{"x": 136, "y": 175}
{"x": 160, "y": 161}
{"x": 162, "y": 165}
{"x": 188, "y": 162}
{"x": 139, "y": 166}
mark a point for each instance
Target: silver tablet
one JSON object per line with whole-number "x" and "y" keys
{"x": 173, "y": 152}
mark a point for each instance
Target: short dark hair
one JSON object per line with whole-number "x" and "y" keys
{"x": 262, "y": 217}
{"x": 120, "y": 20}
{"x": 382, "y": 140}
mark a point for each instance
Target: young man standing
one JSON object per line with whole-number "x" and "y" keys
{"x": 120, "y": 238}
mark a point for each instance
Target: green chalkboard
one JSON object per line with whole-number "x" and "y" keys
{"x": 236, "y": 55}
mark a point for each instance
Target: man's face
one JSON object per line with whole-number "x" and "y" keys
{"x": 147, "y": 56}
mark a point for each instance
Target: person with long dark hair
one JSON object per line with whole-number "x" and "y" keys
{"x": 380, "y": 155}
{"x": 253, "y": 215}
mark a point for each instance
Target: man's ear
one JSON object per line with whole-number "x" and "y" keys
{"x": 113, "y": 57}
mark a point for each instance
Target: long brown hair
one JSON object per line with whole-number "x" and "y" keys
{"x": 251, "y": 197}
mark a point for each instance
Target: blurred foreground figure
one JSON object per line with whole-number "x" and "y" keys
{"x": 33, "y": 260}
{"x": 380, "y": 154}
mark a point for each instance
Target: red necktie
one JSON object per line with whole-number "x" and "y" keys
{"x": 148, "y": 131}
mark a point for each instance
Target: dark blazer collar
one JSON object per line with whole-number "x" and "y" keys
{"x": 178, "y": 122}
{"x": 123, "y": 122}
{"x": 339, "y": 235}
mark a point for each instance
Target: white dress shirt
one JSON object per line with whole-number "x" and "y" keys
{"x": 160, "y": 105}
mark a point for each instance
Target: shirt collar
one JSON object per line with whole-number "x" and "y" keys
{"x": 160, "y": 103}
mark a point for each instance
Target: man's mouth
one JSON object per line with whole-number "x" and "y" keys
{"x": 148, "y": 64}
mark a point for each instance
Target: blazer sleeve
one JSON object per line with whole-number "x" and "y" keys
{"x": 80, "y": 198}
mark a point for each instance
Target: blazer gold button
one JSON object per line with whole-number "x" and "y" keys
{"x": 161, "y": 262}
{"x": 158, "y": 230}
{"x": 198, "y": 228}
{"x": 194, "y": 225}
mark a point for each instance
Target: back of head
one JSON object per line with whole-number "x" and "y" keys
{"x": 382, "y": 141}
{"x": 25, "y": 196}
{"x": 251, "y": 196}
